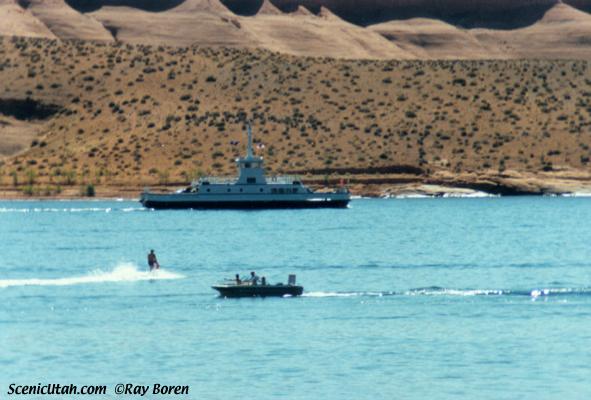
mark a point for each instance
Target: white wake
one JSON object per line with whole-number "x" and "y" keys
{"x": 125, "y": 272}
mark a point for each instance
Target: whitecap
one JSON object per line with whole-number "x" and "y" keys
{"x": 125, "y": 272}
{"x": 331, "y": 294}
{"x": 408, "y": 196}
{"x": 342, "y": 294}
{"x": 470, "y": 195}
{"x": 577, "y": 194}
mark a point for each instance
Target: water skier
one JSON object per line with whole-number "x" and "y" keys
{"x": 153, "y": 261}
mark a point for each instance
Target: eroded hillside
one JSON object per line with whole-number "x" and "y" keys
{"x": 115, "y": 114}
{"x": 384, "y": 29}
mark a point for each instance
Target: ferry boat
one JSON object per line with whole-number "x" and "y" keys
{"x": 251, "y": 190}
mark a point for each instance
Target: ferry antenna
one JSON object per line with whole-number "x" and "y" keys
{"x": 249, "y": 149}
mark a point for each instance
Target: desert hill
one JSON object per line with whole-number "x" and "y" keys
{"x": 65, "y": 22}
{"x": 503, "y": 14}
{"x": 208, "y": 20}
{"x": 267, "y": 8}
{"x": 20, "y": 22}
{"x": 431, "y": 38}
{"x": 560, "y": 33}
{"x": 303, "y": 33}
{"x": 300, "y": 33}
{"x": 136, "y": 115}
{"x": 494, "y": 14}
{"x": 377, "y": 29}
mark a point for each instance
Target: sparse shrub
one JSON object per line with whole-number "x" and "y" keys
{"x": 89, "y": 190}
{"x": 69, "y": 177}
{"x": 163, "y": 177}
{"x": 28, "y": 190}
{"x": 30, "y": 177}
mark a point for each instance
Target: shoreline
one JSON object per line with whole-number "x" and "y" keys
{"x": 441, "y": 184}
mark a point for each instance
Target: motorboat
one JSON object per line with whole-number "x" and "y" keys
{"x": 246, "y": 288}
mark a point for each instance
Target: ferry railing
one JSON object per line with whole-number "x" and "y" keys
{"x": 216, "y": 180}
{"x": 284, "y": 179}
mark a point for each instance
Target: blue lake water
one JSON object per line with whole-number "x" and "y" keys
{"x": 409, "y": 299}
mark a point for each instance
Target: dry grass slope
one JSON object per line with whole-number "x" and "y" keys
{"x": 143, "y": 115}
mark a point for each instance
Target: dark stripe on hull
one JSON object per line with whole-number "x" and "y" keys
{"x": 244, "y": 205}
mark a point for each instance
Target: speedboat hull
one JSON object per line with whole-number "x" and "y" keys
{"x": 258, "y": 290}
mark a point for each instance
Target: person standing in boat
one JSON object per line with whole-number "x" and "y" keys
{"x": 254, "y": 279}
{"x": 153, "y": 261}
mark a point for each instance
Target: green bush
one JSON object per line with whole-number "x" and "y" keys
{"x": 28, "y": 190}
{"x": 89, "y": 190}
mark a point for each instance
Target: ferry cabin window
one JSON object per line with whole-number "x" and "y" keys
{"x": 251, "y": 180}
{"x": 247, "y": 165}
{"x": 284, "y": 191}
